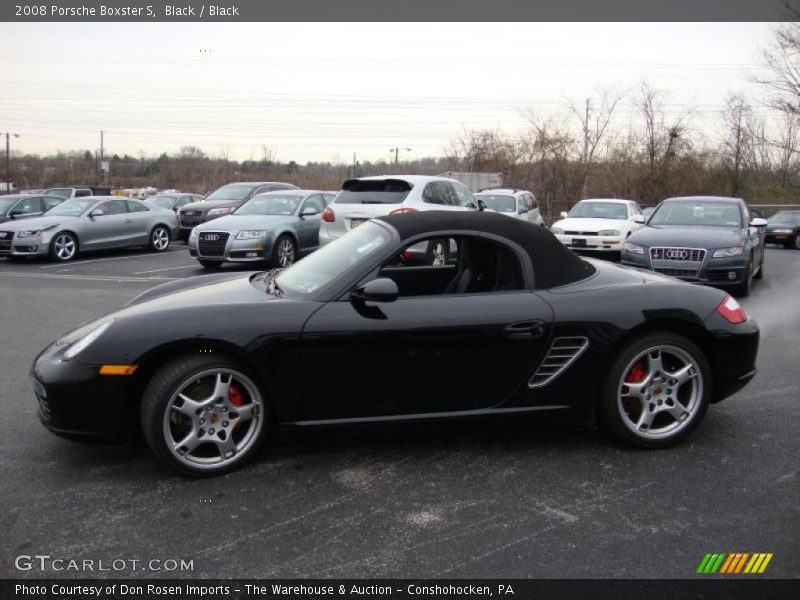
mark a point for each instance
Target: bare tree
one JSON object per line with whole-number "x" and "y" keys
{"x": 737, "y": 119}
{"x": 782, "y": 60}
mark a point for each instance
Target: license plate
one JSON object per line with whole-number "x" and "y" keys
{"x": 579, "y": 242}
{"x": 356, "y": 222}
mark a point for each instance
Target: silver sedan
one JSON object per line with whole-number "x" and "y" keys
{"x": 91, "y": 223}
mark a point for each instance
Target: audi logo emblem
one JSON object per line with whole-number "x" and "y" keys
{"x": 677, "y": 254}
{"x": 211, "y": 237}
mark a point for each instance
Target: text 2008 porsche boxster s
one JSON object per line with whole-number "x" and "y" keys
{"x": 513, "y": 323}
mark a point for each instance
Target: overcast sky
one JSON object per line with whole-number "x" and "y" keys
{"x": 322, "y": 91}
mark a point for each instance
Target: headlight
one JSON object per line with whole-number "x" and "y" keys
{"x": 35, "y": 232}
{"x": 634, "y": 248}
{"x": 251, "y": 234}
{"x": 723, "y": 252}
{"x": 611, "y": 232}
{"x": 81, "y": 343}
{"x": 557, "y": 231}
{"x": 215, "y": 212}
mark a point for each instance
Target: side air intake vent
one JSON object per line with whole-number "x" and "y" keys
{"x": 562, "y": 353}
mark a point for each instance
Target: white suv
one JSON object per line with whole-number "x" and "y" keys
{"x": 513, "y": 202}
{"x": 368, "y": 197}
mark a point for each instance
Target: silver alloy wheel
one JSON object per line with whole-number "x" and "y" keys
{"x": 64, "y": 246}
{"x": 213, "y": 419}
{"x": 160, "y": 239}
{"x": 285, "y": 252}
{"x": 797, "y": 241}
{"x": 660, "y": 392}
{"x": 439, "y": 254}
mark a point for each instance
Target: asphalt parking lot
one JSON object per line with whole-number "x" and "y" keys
{"x": 499, "y": 500}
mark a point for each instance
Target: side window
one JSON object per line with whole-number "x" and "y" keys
{"x": 113, "y": 207}
{"x": 82, "y": 193}
{"x": 523, "y": 205}
{"x": 465, "y": 198}
{"x": 28, "y": 206}
{"x": 195, "y": 199}
{"x": 51, "y": 201}
{"x": 315, "y": 201}
{"x": 136, "y": 207}
{"x": 533, "y": 202}
{"x": 432, "y": 194}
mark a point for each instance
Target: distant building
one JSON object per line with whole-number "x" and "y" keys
{"x": 4, "y": 188}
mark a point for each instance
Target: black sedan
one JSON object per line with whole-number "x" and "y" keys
{"x": 701, "y": 239}
{"x": 208, "y": 368}
{"x": 784, "y": 228}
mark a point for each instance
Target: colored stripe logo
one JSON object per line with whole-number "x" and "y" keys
{"x": 734, "y": 563}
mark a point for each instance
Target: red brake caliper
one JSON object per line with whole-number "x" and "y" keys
{"x": 635, "y": 375}
{"x": 235, "y": 396}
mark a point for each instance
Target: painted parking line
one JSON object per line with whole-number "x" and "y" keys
{"x": 193, "y": 266}
{"x": 94, "y": 260}
{"x": 154, "y": 279}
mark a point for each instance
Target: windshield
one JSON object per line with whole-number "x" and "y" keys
{"x": 270, "y": 205}
{"x": 63, "y": 192}
{"x": 162, "y": 201}
{"x": 71, "y": 208}
{"x": 233, "y": 191}
{"x": 373, "y": 191}
{"x": 792, "y": 218}
{"x": 331, "y": 261}
{"x": 6, "y": 203}
{"x": 598, "y": 210}
{"x": 697, "y": 212}
{"x": 499, "y": 203}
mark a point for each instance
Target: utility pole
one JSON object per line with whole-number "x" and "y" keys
{"x": 8, "y": 160}
{"x": 586, "y": 149}
{"x": 355, "y": 166}
{"x": 102, "y": 173}
{"x": 397, "y": 155}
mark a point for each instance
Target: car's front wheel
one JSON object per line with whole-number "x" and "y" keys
{"x": 657, "y": 391}
{"x": 743, "y": 289}
{"x": 64, "y": 246}
{"x": 203, "y": 415}
{"x": 159, "y": 238}
{"x": 285, "y": 252}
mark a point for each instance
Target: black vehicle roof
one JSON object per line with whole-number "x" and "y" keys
{"x": 553, "y": 263}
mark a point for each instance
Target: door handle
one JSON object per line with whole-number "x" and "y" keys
{"x": 524, "y": 330}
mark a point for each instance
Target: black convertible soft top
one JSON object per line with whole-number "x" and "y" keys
{"x": 553, "y": 263}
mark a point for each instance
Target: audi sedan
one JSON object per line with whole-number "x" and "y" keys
{"x": 209, "y": 368}
{"x": 275, "y": 228}
{"x": 784, "y": 228}
{"x": 84, "y": 224}
{"x": 26, "y": 206}
{"x": 701, "y": 239}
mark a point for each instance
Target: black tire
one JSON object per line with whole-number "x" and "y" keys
{"x": 760, "y": 274}
{"x": 612, "y": 406}
{"x": 183, "y": 235}
{"x": 160, "y": 238}
{"x": 743, "y": 289}
{"x": 60, "y": 246}
{"x": 284, "y": 252}
{"x": 158, "y": 399}
{"x": 210, "y": 264}
{"x": 438, "y": 253}
{"x": 796, "y": 242}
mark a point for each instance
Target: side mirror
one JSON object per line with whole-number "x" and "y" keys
{"x": 758, "y": 222}
{"x": 14, "y": 214}
{"x": 481, "y": 204}
{"x": 563, "y": 214}
{"x": 639, "y": 219}
{"x": 309, "y": 211}
{"x": 174, "y": 209}
{"x": 97, "y": 212}
{"x": 377, "y": 290}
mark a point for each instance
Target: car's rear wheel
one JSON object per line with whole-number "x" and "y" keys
{"x": 159, "y": 238}
{"x": 64, "y": 246}
{"x": 796, "y": 242}
{"x": 284, "y": 252}
{"x": 210, "y": 264}
{"x": 203, "y": 415}
{"x": 657, "y": 391}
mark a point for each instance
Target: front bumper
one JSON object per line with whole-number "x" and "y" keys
{"x": 718, "y": 272}
{"x": 595, "y": 243}
{"x": 27, "y": 246}
{"x": 773, "y": 237}
{"x": 77, "y": 403}
{"x": 243, "y": 251}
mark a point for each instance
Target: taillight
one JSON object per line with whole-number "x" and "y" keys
{"x": 328, "y": 216}
{"x": 732, "y": 311}
{"x": 400, "y": 211}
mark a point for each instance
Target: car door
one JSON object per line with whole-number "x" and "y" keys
{"x": 439, "y": 353}
{"x": 139, "y": 223}
{"x": 107, "y": 229}
{"x": 308, "y": 226}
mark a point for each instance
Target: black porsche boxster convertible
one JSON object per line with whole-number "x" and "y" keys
{"x": 208, "y": 367}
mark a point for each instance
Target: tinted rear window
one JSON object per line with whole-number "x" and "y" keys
{"x": 380, "y": 191}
